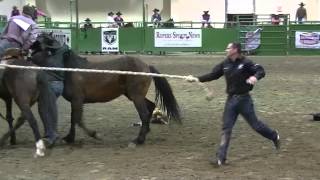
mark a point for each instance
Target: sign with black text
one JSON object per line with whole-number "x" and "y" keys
{"x": 177, "y": 38}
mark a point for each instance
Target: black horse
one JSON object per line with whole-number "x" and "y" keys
{"x": 27, "y": 87}
{"x": 80, "y": 87}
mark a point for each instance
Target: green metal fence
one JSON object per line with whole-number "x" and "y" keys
{"x": 275, "y": 39}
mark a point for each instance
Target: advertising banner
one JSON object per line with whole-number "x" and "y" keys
{"x": 110, "y": 40}
{"x": 177, "y": 38}
{"x": 310, "y": 40}
{"x": 252, "y": 39}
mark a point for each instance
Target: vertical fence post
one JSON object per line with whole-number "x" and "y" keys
{"x": 77, "y": 26}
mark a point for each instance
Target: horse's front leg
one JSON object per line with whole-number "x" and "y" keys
{"x": 145, "y": 115}
{"x": 76, "y": 114}
{"x": 40, "y": 146}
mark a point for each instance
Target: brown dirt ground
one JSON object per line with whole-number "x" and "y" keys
{"x": 288, "y": 92}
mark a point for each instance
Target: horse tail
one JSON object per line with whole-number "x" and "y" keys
{"x": 46, "y": 101}
{"x": 165, "y": 97}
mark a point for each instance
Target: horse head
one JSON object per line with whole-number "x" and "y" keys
{"x": 45, "y": 42}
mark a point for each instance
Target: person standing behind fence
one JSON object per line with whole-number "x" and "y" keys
{"x": 118, "y": 19}
{"x": 205, "y": 19}
{"x": 15, "y": 11}
{"x": 156, "y": 18}
{"x": 110, "y": 20}
{"x": 241, "y": 75}
{"x": 301, "y": 14}
{"x": 20, "y": 31}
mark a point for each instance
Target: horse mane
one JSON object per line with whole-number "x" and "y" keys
{"x": 72, "y": 60}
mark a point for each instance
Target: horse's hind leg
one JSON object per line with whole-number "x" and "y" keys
{"x": 151, "y": 106}
{"x": 142, "y": 107}
{"x": 10, "y": 119}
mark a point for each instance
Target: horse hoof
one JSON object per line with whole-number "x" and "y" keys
{"x": 40, "y": 148}
{"x": 49, "y": 143}
{"x": 13, "y": 142}
{"x": 132, "y": 145}
{"x": 138, "y": 141}
{"x": 68, "y": 140}
{"x": 97, "y": 136}
{"x": 2, "y": 144}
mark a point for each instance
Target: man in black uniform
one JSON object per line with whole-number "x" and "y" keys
{"x": 241, "y": 74}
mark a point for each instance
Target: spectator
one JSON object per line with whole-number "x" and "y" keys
{"x": 118, "y": 19}
{"x": 169, "y": 23}
{"x": 301, "y": 14}
{"x": 87, "y": 24}
{"x": 206, "y": 19}
{"x": 275, "y": 18}
{"x": 110, "y": 20}
{"x": 15, "y": 11}
{"x": 156, "y": 17}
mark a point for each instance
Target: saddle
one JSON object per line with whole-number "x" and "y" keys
{"x": 13, "y": 53}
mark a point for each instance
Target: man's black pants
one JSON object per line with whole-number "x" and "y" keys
{"x": 235, "y": 105}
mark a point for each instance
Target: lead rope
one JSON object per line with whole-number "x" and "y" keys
{"x": 190, "y": 78}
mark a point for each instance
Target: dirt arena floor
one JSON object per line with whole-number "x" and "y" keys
{"x": 180, "y": 152}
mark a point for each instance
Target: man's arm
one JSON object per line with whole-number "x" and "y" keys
{"x": 256, "y": 70}
{"x": 216, "y": 73}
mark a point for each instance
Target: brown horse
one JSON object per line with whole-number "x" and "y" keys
{"x": 27, "y": 87}
{"x": 81, "y": 87}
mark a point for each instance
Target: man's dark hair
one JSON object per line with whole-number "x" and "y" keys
{"x": 237, "y": 46}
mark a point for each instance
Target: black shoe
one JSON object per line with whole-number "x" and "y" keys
{"x": 276, "y": 142}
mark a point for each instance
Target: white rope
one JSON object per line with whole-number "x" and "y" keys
{"x": 189, "y": 78}
{"x": 94, "y": 71}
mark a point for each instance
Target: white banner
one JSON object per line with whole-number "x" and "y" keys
{"x": 62, "y": 35}
{"x": 240, "y": 7}
{"x": 252, "y": 40}
{"x": 109, "y": 39}
{"x": 309, "y": 40}
{"x": 177, "y": 38}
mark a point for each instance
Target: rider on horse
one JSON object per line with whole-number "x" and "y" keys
{"x": 20, "y": 31}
